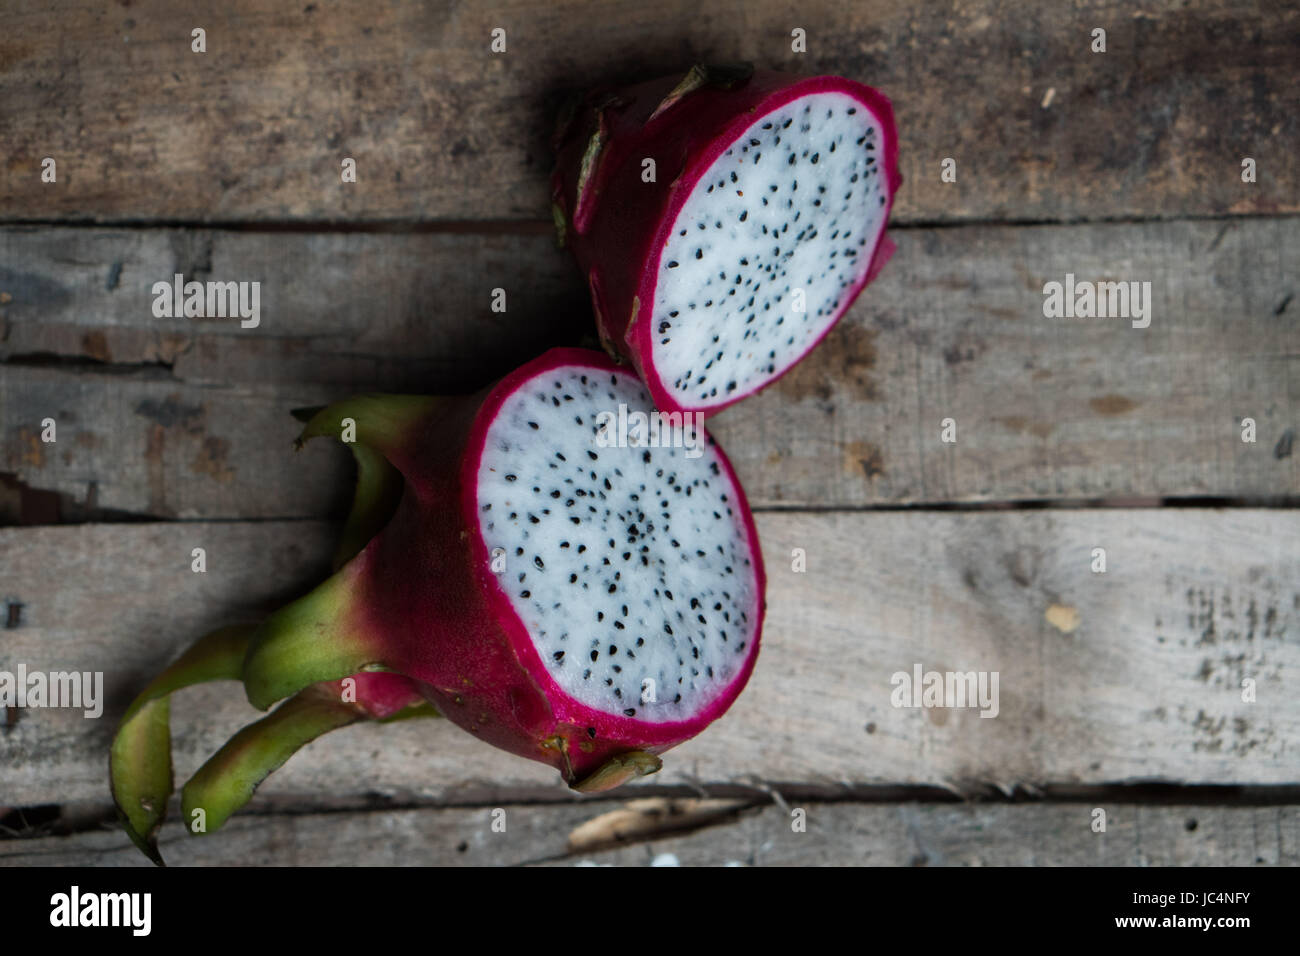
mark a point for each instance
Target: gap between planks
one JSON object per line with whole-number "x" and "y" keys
{"x": 708, "y": 832}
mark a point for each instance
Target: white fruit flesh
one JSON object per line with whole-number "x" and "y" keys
{"x": 787, "y": 216}
{"x": 629, "y": 566}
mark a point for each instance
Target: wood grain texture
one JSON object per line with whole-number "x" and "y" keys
{"x": 837, "y": 834}
{"x": 146, "y": 445}
{"x": 1041, "y": 127}
{"x": 1045, "y": 408}
{"x": 1131, "y": 675}
{"x": 405, "y": 311}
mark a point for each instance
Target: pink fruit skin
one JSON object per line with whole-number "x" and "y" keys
{"x": 435, "y": 611}
{"x": 381, "y": 694}
{"x": 618, "y": 235}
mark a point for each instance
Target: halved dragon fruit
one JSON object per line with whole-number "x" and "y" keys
{"x": 558, "y": 592}
{"x": 724, "y": 221}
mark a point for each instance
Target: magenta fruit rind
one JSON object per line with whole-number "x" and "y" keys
{"x": 416, "y": 621}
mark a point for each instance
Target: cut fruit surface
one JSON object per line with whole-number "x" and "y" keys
{"x": 630, "y": 568}
{"x": 764, "y": 220}
{"x": 774, "y": 239}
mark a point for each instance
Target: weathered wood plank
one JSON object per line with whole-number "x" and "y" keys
{"x": 353, "y": 310}
{"x": 1041, "y": 127}
{"x": 1045, "y": 408}
{"x": 1132, "y": 674}
{"x": 837, "y": 834}
{"x": 146, "y": 445}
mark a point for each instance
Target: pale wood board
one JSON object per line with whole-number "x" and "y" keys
{"x": 1131, "y": 675}
{"x": 1045, "y": 408}
{"x": 1041, "y": 127}
{"x": 836, "y": 834}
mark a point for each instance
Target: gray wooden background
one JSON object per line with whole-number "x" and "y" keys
{"x": 1120, "y": 691}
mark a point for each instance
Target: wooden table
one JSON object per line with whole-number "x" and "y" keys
{"x": 1120, "y": 691}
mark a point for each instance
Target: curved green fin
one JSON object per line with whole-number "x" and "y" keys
{"x": 587, "y": 167}
{"x": 312, "y": 640}
{"x": 618, "y": 770}
{"x": 316, "y": 638}
{"x": 722, "y": 76}
{"x": 319, "y": 637}
{"x": 140, "y": 762}
{"x": 374, "y": 427}
{"x": 379, "y": 488}
{"x": 381, "y": 422}
{"x": 140, "y": 769}
{"x": 227, "y": 781}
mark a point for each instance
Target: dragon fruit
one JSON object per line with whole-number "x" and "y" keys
{"x": 719, "y": 265}
{"x": 510, "y": 564}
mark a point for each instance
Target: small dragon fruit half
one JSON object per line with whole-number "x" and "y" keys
{"x": 521, "y": 562}
{"x": 724, "y": 221}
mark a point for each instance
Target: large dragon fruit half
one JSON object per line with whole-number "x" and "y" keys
{"x": 511, "y": 563}
{"x": 724, "y": 221}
